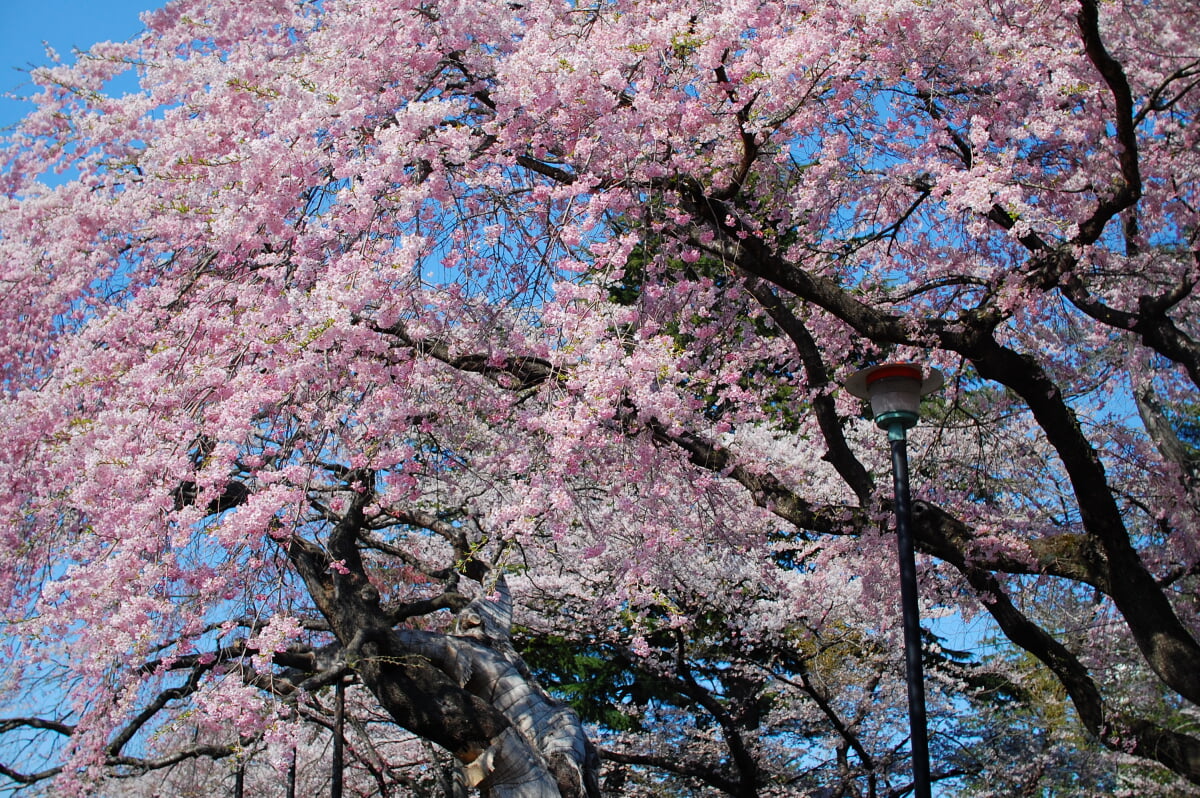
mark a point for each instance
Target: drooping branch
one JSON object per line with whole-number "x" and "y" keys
{"x": 745, "y": 765}
{"x": 123, "y": 764}
{"x": 152, "y": 708}
{"x": 140, "y": 765}
{"x": 844, "y": 728}
{"x": 9, "y": 724}
{"x": 516, "y": 372}
{"x": 1129, "y": 189}
{"x": 25, "y": 777}
{"x": 838, "y": 452}
{"x": 1150, "y": 321}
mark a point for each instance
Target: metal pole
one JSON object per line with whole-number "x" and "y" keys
{"x": 913, "y": 673}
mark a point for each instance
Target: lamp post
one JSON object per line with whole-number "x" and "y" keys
{"x": 895, "y": 391}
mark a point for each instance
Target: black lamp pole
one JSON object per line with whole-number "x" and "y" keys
{"x": 895, "y": 391}
{"x": 913, "y": 671}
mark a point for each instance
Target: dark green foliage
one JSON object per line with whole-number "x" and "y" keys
{"x": 595, "y": 680}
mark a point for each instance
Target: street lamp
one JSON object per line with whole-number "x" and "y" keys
{"x": 895, "y": 391}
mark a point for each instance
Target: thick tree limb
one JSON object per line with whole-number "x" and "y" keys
{"x": 744, "y": 763}
{"x": 838, "y": 453}
{"x": 1129, "y": 190}
{"x": 1166, "y": 643}
{"x": 459, "y": 693}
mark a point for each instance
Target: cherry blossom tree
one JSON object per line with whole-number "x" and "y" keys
{"x": 459, "y": 358}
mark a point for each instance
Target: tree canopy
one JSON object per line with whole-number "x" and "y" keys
{"x": 463, "y": 381}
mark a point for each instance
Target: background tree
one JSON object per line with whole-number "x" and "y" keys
{"x": 363, "y": 329}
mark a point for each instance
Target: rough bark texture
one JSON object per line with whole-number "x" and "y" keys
{"x": 469, "y": 693}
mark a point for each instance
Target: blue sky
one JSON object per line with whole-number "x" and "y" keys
{"x": 65, "y": 25}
